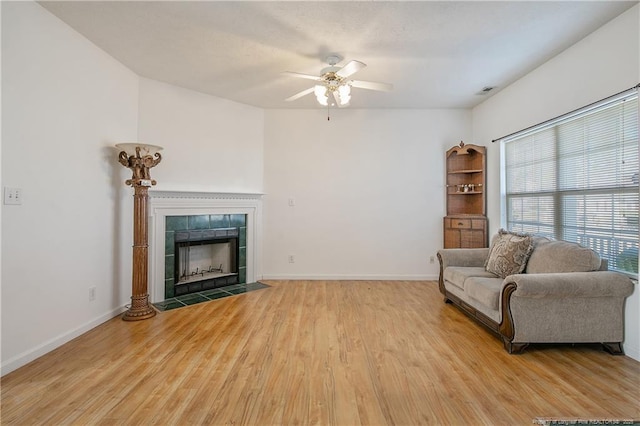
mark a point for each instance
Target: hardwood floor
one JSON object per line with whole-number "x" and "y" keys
{"x": 316, "y": 352}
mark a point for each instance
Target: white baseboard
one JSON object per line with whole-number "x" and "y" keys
{"x": 349, "y": 277}
{"x": 32, "y": 354}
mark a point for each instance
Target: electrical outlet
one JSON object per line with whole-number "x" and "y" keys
{"x": 432, "y": 259}
{"x": 292, "y": 259}
{"x": 92, "y": 294}
{"x": 12, "y": 195}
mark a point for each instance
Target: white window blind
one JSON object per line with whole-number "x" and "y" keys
{"x": 576, "y": 179}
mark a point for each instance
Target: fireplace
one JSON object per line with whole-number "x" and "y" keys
{"x": 205, "y": 259}
{"x": 174, "y": 212}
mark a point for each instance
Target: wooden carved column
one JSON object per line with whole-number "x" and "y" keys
{"x": 141, "y": 181}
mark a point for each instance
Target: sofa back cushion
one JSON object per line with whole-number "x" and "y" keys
{"x": 561, "y": 256}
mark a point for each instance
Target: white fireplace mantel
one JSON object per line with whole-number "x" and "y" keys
{"x": 176, "y": 203}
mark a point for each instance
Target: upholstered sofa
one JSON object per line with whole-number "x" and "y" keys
{"x": 544, "y": 291}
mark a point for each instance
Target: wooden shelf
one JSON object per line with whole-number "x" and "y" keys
{"x": 464, "y": 171}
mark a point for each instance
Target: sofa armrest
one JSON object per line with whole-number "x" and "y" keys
{"x": 462, "y": 257}
{"x": 571, "y": 284}
{"x": 563, "y": 307}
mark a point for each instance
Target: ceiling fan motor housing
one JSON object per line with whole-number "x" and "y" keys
{"x": 329, "y": 73}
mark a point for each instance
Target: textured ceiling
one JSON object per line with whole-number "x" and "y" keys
{"x": 436, "y": 54}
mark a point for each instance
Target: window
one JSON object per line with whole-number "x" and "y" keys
{"x": 575, "y": 178}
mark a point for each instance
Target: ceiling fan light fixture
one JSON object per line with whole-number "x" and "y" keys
{"x": 344, "y": 92}
{"x": 321, "y": 94}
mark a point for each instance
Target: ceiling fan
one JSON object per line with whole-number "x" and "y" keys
{"x": 334, "y": 81}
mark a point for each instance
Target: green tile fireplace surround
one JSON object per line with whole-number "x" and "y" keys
{"x": 202, "y": 222}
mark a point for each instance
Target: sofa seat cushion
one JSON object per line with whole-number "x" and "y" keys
{"x": 561, "y": 256}
{"x": 485, "y": 290}
{"x": 457, "y": 275}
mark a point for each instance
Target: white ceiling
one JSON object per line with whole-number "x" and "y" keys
{"x": 436, "y": 54}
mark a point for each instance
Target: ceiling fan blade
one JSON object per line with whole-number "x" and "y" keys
{"x": 300, "y": 94}
{"x": 300, "y": 75}
{"x": 351, "y": 68}
{"x": 371, "y": 85}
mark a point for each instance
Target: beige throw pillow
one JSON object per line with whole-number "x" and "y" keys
{"x": 509, "y": 253}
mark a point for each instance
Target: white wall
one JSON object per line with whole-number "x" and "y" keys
{"x": 605, "y": 62}
{"x": 64, "y": 104}
{"x": 368, "y": 188}
{"x": 0, "y": 188}
{"x": 210, "y": 144}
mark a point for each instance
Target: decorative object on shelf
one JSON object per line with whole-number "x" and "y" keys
{"x": 468, "y": 188}
{"x": 139, "y": 157}
{"x": 465, "y": 225}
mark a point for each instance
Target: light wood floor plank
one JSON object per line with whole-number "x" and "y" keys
{"x": 316, "y": 352}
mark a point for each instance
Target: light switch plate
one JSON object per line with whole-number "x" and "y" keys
{"x": 12, "y": 195}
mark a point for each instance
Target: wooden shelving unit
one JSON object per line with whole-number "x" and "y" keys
{"x": 465, "y": 225}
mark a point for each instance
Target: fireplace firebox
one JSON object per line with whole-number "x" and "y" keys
{"x": 205, "y": 259}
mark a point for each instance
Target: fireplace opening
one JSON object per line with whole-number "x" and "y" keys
{"x": 205, "y": 259}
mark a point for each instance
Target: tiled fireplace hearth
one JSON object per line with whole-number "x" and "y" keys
{"x": 200, "y": 241}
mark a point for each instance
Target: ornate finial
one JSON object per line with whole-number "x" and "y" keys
{"x": 461, "y": 144}
{"x": 139, "y": 165}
